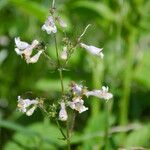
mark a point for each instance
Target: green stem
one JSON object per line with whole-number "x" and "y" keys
{"x": 59, "y": 66}
{"x": 106, "y": 133}
{"x": 68, "y": 136}
{"x": 124, "y": 103}
{"x": 57, "y": 53}
{"x": 97, "y": 75}
{"x": 127, "y": 81}
{"x": 61, "y": 80}
{"x": 59, "y": 127}
{"x": 62, "y": 88}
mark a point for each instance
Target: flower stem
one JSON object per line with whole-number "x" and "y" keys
{"x": 127, "y": 81}
{"x": 124, "y": 103}
{"x": 59, "y": 66}
{"x": 97, "y": 76}
{"x": 62, "y": 88}
{"x": 106, "y": 132}
{"x": 68, "y": 135}
{"x": 59, "y": 127}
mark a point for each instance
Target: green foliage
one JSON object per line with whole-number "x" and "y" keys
{"x": 31, "y": 8}
{"x": 141, "y": 137}
{"x": 142, "y": 72}
{"x": 99, "y": 8}
{"x": 113, "y": 24}
{"x": 38, "y": 135}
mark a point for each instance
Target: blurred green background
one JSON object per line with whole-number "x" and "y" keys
{"x": 122, "y": 28}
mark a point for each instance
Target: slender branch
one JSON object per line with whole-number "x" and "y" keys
{"x": 106, "y": 132}
{"x": 68, "y": 135}
{"x": 57, "y": 54}
{"x": 72, "y": 122}
{"x": 125, "y": 100}
{"x": 50, "y": 60}
{"x": 62, "y": 90}
{"x": 76, "y": 43}
{"x": 59, "y": 127}
{"x": 61, "y": 80}
{"x": 53, "y": 4}
{"x": 59, "y": 65}
{"x": 84, "y": 31}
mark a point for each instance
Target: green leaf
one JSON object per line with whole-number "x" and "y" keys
{"x": 95, "y": 123}
{"x": 142, "y": 73}
{"x": 3, "y": 3}
{"x": 139, "y": 137}
{"x": 16, "y": 127}
{"x": 32, "y": 8}
{"x": 47, "y": 133}
{"x": 98, "y": 7}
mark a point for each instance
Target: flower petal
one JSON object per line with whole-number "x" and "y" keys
{"x": 35, "y": 58}
{"x": 31, "y": 111}
{"x": 63, "y": 113}
{"x": 20, "y": 44}
{"x": 93, "y": 50}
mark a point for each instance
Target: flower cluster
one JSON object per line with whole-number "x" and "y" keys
{"x": 78, "y": 92}
{"x": 25, "y": 50}
{"x": 103, "y": 93}
{"x": 27, "y": 106}
{"x": 77, "y": 102}
{"x": 50, "y": 24}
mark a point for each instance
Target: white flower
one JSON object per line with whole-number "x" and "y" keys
{"x": 20, "y": 44}
{"x": 92, "y": 49}
{"x": 64, "y": 54}
{"x": 25, "y": 50}
{"x": 31, "y": 111}
{"x": 49, "y": 25}
{"x": 61, "y": 22}
{"x": 34, "y": 58}
{"x": 63, "y": 113}
{"x": 76, "y": 89}
{"x": 77, "y": 104}
{"x": 24, "y": 104}
{"x": 103, "y": 93}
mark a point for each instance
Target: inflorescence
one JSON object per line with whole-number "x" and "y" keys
{"x": 78, "y": 92}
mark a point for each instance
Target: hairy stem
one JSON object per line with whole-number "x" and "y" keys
{"x": 59, "y": 66}
{"x": 59, "y": 127}
{"x": 62, "y": 88}
{"x": 68, "y": 135}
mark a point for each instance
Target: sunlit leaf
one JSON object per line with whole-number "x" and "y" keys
{"x": 98, "y": 7}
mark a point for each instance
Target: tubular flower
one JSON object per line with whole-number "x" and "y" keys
{"x": 61, "y": 22}
{"x": 76, "y": 89}
{"x": 93, "y": 50}
{"x": 63, "y": 113}
{"x": 103, "y": 93}
{"x": 20, "y": 44}
{"x": 64, "y": 54}
{"x": 24, "y": 104}
{"x": 25, "y": 50}
{"x": 31, "y": 111}
{"x": 78, "y": 105}
{"x": 35, "y": 58}
{"x": 49, "y": 26}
